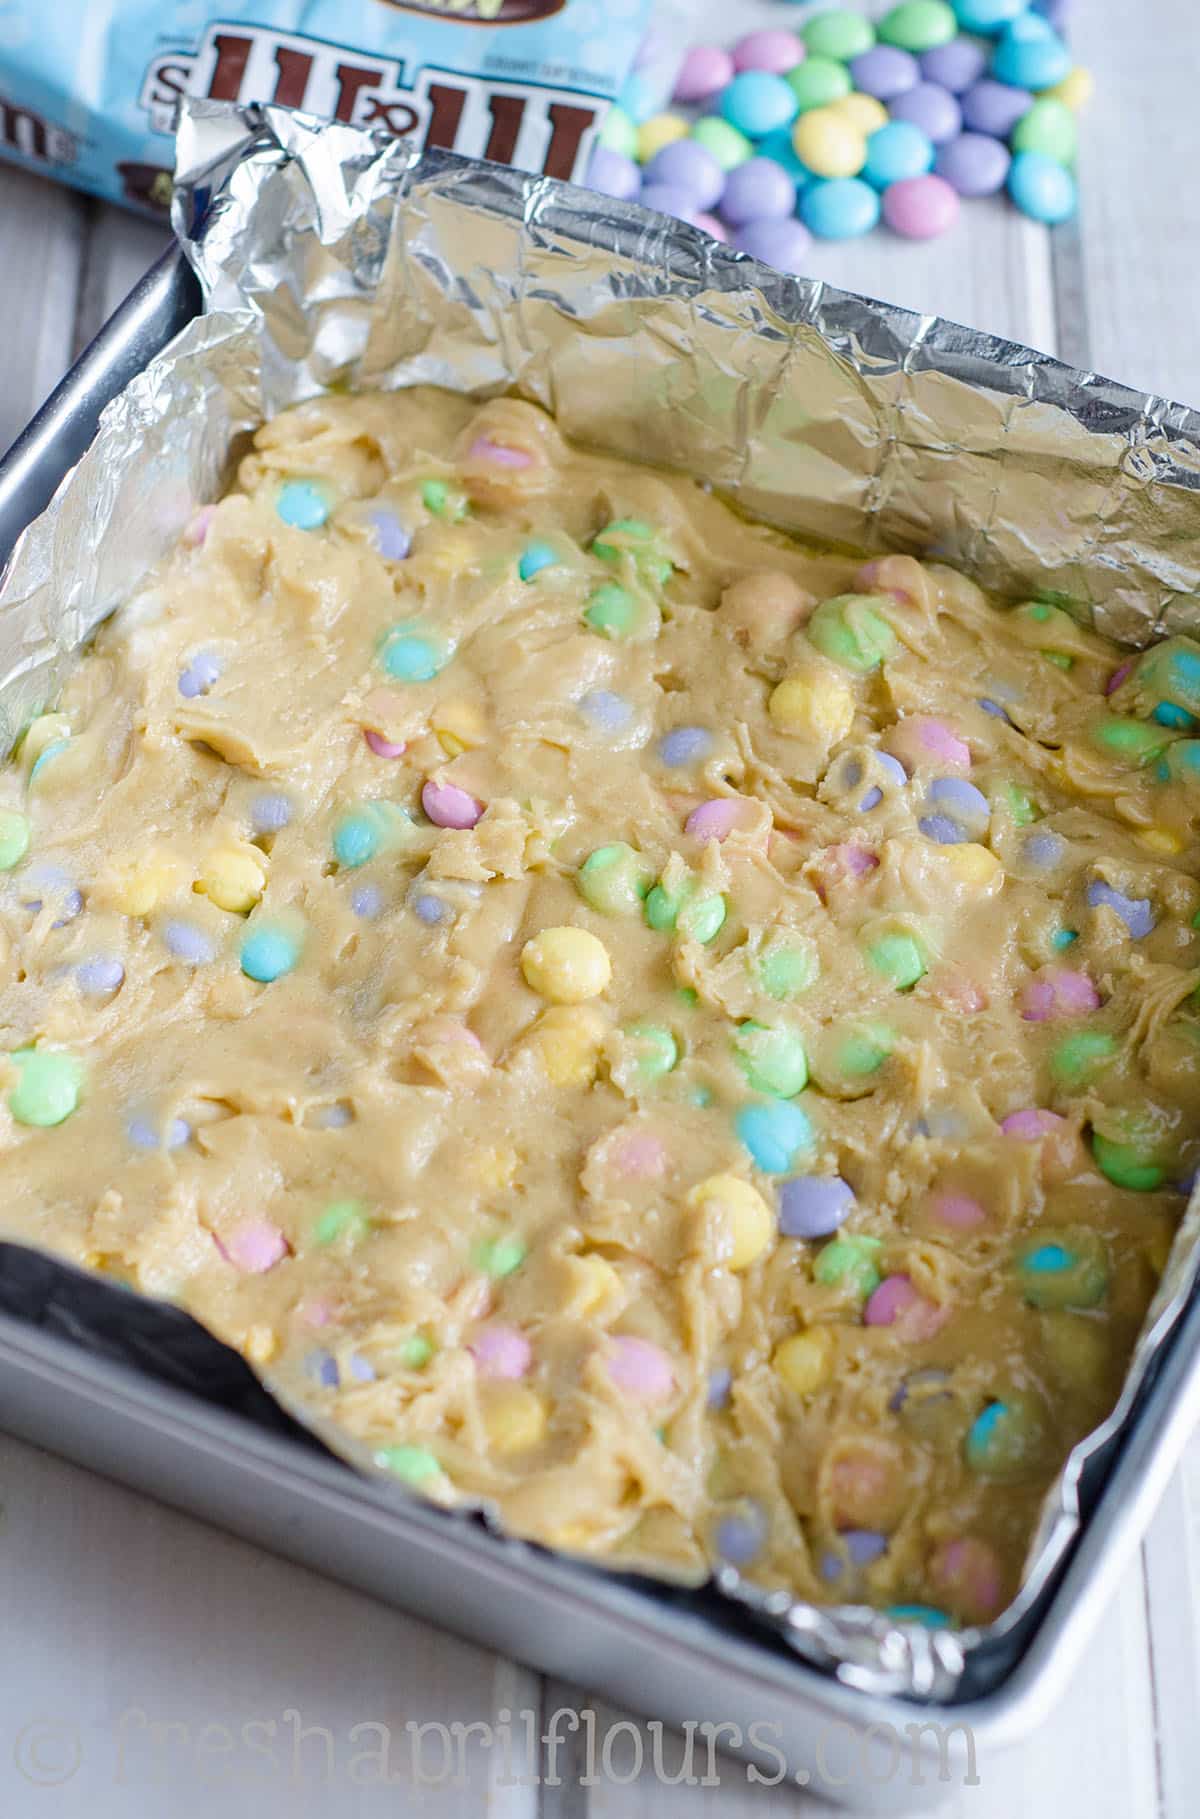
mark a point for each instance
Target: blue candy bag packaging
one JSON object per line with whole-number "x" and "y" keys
{"x": 89, "y": 88}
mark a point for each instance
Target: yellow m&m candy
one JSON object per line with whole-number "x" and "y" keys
{"x": 568, "y": 1039}
{"x": 566, "y": 965}
{"x": 804, "y": 1361}
{"x": 862, "y": 111}
{"x": 655, "y": 134}
{"x": 812, "y": 705}
{"x": 828, "y": 143}
{"x": 233, "y": 878}
{"x": 514, "y": 1419}
{"x": 972, "y": 864}
{"x": 745, "y": 1224}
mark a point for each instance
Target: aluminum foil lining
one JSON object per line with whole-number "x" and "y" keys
{"x": 334, "y": 256}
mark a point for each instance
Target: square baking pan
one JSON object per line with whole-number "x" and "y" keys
{"x": 136, "y": 1390}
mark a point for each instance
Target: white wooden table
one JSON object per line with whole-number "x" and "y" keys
{"x": 112, "y": 1608}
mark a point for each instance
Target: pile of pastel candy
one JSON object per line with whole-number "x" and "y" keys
{"x": 825, "y": 130}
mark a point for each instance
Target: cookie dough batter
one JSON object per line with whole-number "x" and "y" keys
{"x": 687, "y": 1037}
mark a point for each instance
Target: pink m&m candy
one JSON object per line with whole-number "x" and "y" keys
{"x": 966, "y": 1574}
{"x": 959, "y": 1211}
{"x": 501, "y": 454}
{"x": 710, "y": 225}
{"x": 777, "y": 51}
{"x": 501, "y": 1353}
{"x": 1058, "y": 993}
{"x": 704, "y": 72}
{"x": 1062, "y": 1153}
{"x": 254, "y": 1247}
{"x": 197, "y": 529}
{"x": 918, "y": 739}
{"x": 722, "y": 816}
{"x": 448, "y": 806}
{"x": 383, "y": 748}
{"x": 640, "y": 1368}
{"x": 1031, "y": 1124}
{"x": 896, "y": 1302}
{"x": 920, "y": 208}
{"x": 642, "y": 1156}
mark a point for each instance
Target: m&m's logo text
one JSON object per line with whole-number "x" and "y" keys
{"x": 534, "y": 128}
{"x": 483, "y": 12}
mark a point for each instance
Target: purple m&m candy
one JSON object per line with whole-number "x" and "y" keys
{"x": 956, "y": 796}
{"x": 994, "y": 107}
{"x": 685, "y": 745}
{"x": 613, "y": 174}
{"x": 704, "y": 72}
{"x": 1137, "y": 913}
{"x": 687, "y": 165}
{"x": 758, "y": 190}
{"x": 100, "y": 976}
{"x": 955, "y": 65}
{"x": 885, "y": 72}
{"x": 974, "y": 164}
{"x": 863, "y": 1545}
{"x": 932, "y": 108}
{"x": 783, "y": 244}
{"x": 812, "y": 1206}
{"x": 201, "y": 674}
{"x": 669, "y": 199}
{"x": 391, "y": 539}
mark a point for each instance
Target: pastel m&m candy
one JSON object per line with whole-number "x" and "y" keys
{"x": 974, "y": 164}
{"x": 100, "y": 977}
{"x": 966, "y": 1574}
{"x": 303, "y": 504}
{"x": 896, "y": 151}
{"x": 14, "y": 838}
{"x": 920, "y": 208}
{"x": 829, "y": 144}
{"x": 502, "y": 1353}
{"x": 689, "y": 166}
{"x": 842, "y": 208}
{"x": 725, "y": 143}
{"x": 772, "y": 1060}
{"x": 897, "y": 1302}
{"x": 918, "y": 25}
{"x": 704, "y": 72}
{"x": 1042, "y": 188}
{"x": 447, "y": 805}
{"x": 48, "y": 1086}
{"x": 994, "y": 107}
{"x": 640, "y": 1369}
{"x": 775, "y": 1132}
{"x": 1006, "y": 1438}
{"x": 613, "y": 174}
{"x": 850, "y": 1261}
{"x": 785, "y": 244}
{"x": 740, "y": 1219}
{"x": 614, "y": 879}
{"x": 758, "y": 101}
{"x": 987, "y": 16}
{"x": 817, "y": 83}
{"x": 1030, "y": 54}
{"x": 1137, "y": 913}
{"x": 931, "y": 108}
{"x": 814, "y": 1206}
{"x": 838, "y": 34}
{"x": 1062, "y": 1269}
{"x": 804, "y": 1361}
{"x": 850, "y": 629}
{"x": 1049, "y": 128}
{"x": 757, "y": 190}
{"x": 776, "y": 50}
{"x": 566, "y": 965}
{"x": 1057, "y": 993}
{"x": 268, "y": 952}
{"x": 955, "y": 65}
{"x": 254, "y": 1246}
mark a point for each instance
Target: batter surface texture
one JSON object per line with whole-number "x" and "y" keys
{"x": 684, "y": 1036}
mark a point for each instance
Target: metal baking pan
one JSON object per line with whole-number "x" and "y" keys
{"x": 137, "y": 1390}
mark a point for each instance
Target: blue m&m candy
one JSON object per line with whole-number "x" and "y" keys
{"x": 758, "y": 102}
{"x": 896, "y": 151}
{"x": 841, "y": 208}
{"x": 1030, "y": 54}
{"x": 268, "y": 953}
{"x": 775, "y": 1132}
{"x": 303, "y": 504}
{"x": 1042, "y": 188}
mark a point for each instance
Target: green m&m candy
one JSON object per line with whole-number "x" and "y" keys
{"x": 898, "y": 957}
{"x": 1079, "y": 1058}
{"x": 1129, "y": 739}
{"x": 633, "y": 539}
{"x": 48, "y": 1088}
{"x": 500, "y": 1257}
{"x": 611, "y": 610}
{"x": 773, "y": 1060}
{"x": 851, "y": 1261}
{"x": 342, "y": 1219}
{"x": 787, "y": 965}
{"x": 1132, "y": 1165}
{"x": 614, "y": 879}
{"x": 411, "y": 1464}
{"x": 14, "y": 838}
{"x": 851, "y": 630}
{"x": 655, "y": 1050}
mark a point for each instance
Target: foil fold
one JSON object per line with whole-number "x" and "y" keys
{"x": 332, "y": 256}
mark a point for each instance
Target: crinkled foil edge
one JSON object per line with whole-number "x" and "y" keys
{"x": 331, "y": 256}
